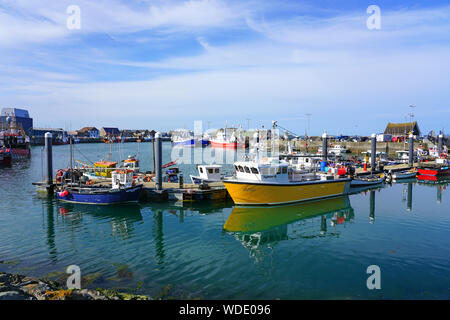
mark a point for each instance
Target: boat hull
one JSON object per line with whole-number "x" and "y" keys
{"x": 109, "y": 196}
{"x": 244, "y": 193}
{"x": 363, "y": 183}
{"x": 434, "y": 172}
{"x": 403, "y": 175}
{"x": 5, "y": 159}
{"x": 19, "y": 153}
{"x": 227, "y": 145}
{"x": 186, "y": 143}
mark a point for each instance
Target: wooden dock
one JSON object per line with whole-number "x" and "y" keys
{"x": 170, "y": 191}
{"x": 188, "y": 192}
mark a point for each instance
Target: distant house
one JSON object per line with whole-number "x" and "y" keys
{"x": 89, "y": 132}
{"x": 109, "y": 132}
{"x": 402, "y": 129}
{"x": 127, "y": 133}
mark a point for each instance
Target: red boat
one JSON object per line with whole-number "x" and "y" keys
{"x": 443, "y": 171}
{"x": 432, "y": 171}
{"x": 16, "y": 142}
{"x": 227, "y": 145}
{"x": 222, "y": 141}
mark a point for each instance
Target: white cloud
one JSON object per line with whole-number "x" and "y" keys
{"x": 43, "y": 21}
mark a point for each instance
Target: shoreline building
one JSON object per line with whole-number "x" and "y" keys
{"x": 402, "y": 129}
{"x": 20, "y": 117}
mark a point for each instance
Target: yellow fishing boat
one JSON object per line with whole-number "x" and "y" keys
{"x": 272, "y": 181}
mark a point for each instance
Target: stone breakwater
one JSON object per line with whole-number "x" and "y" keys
{"x": 19, "y": 287}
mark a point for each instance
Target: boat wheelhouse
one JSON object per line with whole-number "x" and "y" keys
{"x": 131, "y": 163}
{"x": 104, "y": 168}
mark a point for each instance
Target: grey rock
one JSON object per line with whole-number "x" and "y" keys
{"x": 15, "y": 295}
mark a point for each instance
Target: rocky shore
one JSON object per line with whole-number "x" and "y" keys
{"x": 20, "y": 287}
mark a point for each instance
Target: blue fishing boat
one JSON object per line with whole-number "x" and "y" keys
{"x": 184, "y": 142}
{"x": 183, "y": 138}
{"x": 123, "y": 189}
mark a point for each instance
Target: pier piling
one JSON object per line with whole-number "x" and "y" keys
{"x": 324, "y": 147}
{"x": 49, "y": 155}
{"x": 411, "y": 150}
{"x": 373, "y": 152}
{"x": 158, "y": 156}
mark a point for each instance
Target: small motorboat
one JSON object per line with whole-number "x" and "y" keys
{"x": 369, "y": 180}
{"x": 406, "y": 174}
{"x": 207, "y": 173}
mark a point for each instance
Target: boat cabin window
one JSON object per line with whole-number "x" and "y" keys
{"x": 240, "y": 169}
{"x": 254, "y": 170}
{"x": 201, "y": 170}
{"x": 210, "y": 171}
{"x": 217, "y": 170}
{"x": 265, "y": 171}
{"x": 278, "y": 170}
{"x": 284, "y": 170}
{"x": 247, "y": 170}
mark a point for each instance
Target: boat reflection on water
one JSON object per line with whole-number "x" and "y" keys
{"x": 440, "y": 184}
{"x": 183, "y": 209}
{"x": 259, "y": 227}
{"x": 121, "y": 217}
{"x": 356, "y": 190}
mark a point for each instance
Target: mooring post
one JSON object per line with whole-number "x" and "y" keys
{"x": 411, "y": 150}
{"x": 440, "y": 143}
{"x": 158, "y": 156}
{"x": 49, "y": 154}
{"x": 373, "y": 152}
{"x": 324, "y": 147}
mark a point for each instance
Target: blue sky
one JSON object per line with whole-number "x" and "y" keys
{"x": 162, "y": 64}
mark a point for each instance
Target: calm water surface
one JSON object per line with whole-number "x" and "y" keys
{"x": 313, "y": 250}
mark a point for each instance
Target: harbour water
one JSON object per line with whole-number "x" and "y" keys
{"x": 315, "y": 250}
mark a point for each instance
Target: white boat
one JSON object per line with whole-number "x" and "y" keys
{"x": 380, "y": 156}
{"x": 403, "y": 175}
{"x": 337, "y": 150}
{"x": 434, "y": 151}
{"x": 208, "y": 173}
{"x": 183, "y": 138}
{"x": 367, "y": 180}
